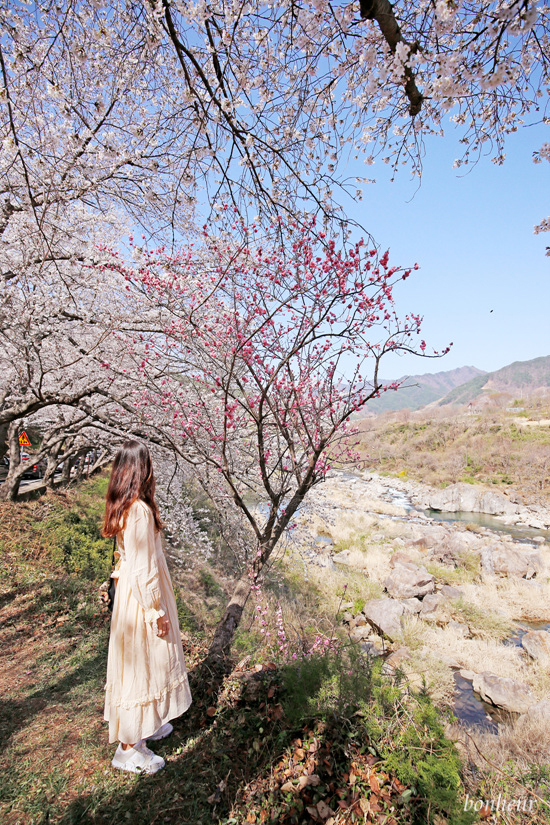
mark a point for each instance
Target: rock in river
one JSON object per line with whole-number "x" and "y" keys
{"x": 468, "y": 499}
{"x": 537, "y": 645}
{"x": 503, "y": 692}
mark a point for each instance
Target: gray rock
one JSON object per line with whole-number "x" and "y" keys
{"x": 412, "y": 605}
{"x": 503, "y": 560}
{"x": 359, "y": 634}
{"x": 469, "y": 499}
{"x": 342, "y": 557}
{"x": 347, "y": 618}
{"x": 451, "y": 592}
{"x": 469, "y": 675}
{"x": 431, "y": 604}
{"x": 537, "y": 645}
{"x": 408, "y": 580}
{"x": 503, "y": 692}
{"x": 370, "y": 648}
{"x": 396, "y": 659}
{"x": 359, "y": 621}
{"x": 384, "y": 615}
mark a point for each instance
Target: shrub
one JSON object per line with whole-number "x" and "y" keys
{"x": 406, "y": 728}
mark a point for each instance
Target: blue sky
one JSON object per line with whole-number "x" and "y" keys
{"x": 472, "y": 236}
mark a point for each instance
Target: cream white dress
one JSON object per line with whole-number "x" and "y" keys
{"x": 146, "y": 676}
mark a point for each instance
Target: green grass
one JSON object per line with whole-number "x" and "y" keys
{"x": 62, "y": 529}
{"x": 468, "y": 569}
{"x": 56, "y": 758}
{"x": 482, "y": 623}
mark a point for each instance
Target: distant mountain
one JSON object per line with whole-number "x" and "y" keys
{"x": 520, "y": 377}
{"x": 420, "y": 390}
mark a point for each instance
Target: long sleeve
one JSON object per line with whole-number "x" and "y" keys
{"x": 141, "y": 555}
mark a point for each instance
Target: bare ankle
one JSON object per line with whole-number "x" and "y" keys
{"x": 125, "y": 747}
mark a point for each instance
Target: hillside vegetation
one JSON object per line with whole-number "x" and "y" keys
{"x": 419, "y": 390}
{"x": 521, "y": 377}
{"x": 505, "y": 443}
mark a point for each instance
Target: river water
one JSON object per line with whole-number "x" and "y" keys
{"x": 523, "y": 534}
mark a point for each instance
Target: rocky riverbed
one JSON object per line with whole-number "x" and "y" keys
{"x": 442, "y": 597}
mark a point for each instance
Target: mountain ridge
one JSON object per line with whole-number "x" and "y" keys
{"x": 420, "y": 390}
{"x": 519, "y": 376}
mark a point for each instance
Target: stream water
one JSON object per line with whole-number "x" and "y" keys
{"x": 468, "y": 707}
{"x": 523, "y": 534}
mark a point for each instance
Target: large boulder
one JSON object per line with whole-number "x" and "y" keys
{"x": 537, "y": 645}
{"x": 384, "y": 615}
{"x": 408, "y": 580}
{"x": 502, "y": 692}
{"x": 504, "y": 560}
{"x": 469, "y": 499}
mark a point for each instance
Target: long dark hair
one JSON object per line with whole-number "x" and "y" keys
{"x": 132, "y": 478}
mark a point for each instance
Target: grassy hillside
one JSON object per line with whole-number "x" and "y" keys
{"x": 420, "y": 390}
{"x": 507, "y": 445}
{"x": 520, "y": 377}
{"x": 466, "y": 392}
{"x": 323, "y": 737}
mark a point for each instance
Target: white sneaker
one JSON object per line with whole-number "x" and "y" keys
{"x": 161, "y": 733}
{"x": 138, "y": 759}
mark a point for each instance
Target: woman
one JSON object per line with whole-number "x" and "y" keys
{"x": 146, "y": 676}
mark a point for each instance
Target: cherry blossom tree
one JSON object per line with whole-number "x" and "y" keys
{"x": 294, "y": 89}
{"x": 151, "y": 105}
{"x": 57, "y": 330}
{"x": 268, "y": 356}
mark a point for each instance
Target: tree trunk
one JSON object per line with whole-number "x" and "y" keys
{"x": 67, "y": 467}
{"x": 220, "y": 647}
{"x": 51, "y": 466}
{"x": 218, "y": 653}
{"x": 10, "y": 487}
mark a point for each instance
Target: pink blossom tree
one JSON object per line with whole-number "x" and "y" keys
{"x": 268, "y": 356}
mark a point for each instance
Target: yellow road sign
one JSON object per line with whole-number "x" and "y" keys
{"x": 24, "y": 440}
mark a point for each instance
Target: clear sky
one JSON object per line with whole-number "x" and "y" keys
{"x": 484, "y": 279}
